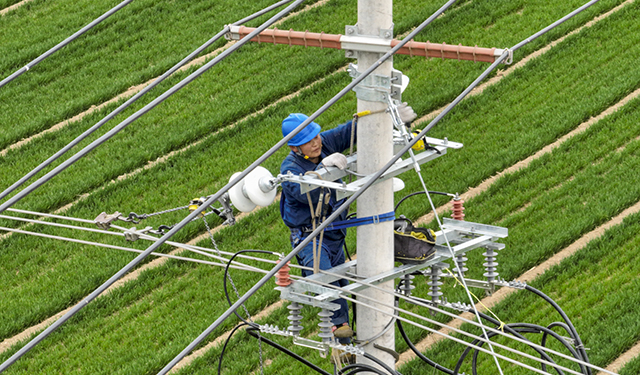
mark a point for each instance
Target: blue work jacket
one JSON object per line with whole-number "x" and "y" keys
{"x": 294, "y": 205}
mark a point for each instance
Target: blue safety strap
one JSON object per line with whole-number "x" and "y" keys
{"x": 375, "y": 219}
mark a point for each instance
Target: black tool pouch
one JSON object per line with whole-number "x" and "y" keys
{"x": 412, "y": 245}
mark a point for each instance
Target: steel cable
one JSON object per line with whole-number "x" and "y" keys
{"x": 179, "y": 226}
{"x": 239, "y": 177}
{"x": 115, "y": 247}
{"x": 132, "y": 100}
{"x": 422, "y": 303}
{"x": 51, "y": 51}
{"x": 239, "y": 267}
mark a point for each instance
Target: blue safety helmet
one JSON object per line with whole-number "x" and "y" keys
{"x": 305, "y": 135}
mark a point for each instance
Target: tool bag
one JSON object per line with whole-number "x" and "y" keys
{"x": 412, "y": 245}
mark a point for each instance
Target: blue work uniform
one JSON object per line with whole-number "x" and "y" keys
{"x": 296, "y": 214}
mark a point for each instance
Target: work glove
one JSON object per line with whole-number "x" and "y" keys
{"x": 407, "y": 114}
{"x": 335, "y": 160}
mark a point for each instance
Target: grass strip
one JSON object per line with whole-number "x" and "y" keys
{"x": 213, "y": 104}
{"x": 139, "y": 43}
{"x": 595, "y": 287}
{"x": 276, "y": 220}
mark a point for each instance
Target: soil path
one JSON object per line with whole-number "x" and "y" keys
{"x": 426, "y": 343}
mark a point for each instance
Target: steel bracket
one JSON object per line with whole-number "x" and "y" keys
{"x": 373, "y": 88}
{"x": 327, "y": 177}
{"x": 484, "y": 237}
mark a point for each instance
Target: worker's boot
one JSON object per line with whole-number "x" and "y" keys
{"x": 342, "y": 332}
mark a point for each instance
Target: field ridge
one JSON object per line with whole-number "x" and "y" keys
{"x": 526, "y": 161}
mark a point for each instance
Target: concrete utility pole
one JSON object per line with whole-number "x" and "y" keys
{"x": 375, "y": 149}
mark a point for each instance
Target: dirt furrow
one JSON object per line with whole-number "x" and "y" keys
{"x": 135, "y": 89}
{"x": 489, "y": 301}
{"x": 13, "y": 7}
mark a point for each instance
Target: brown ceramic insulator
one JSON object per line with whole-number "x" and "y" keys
{"x": 282, "y": 276}
{"x": 458, "y": 209}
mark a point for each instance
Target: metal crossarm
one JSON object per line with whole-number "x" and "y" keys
{"x": 467, "y": 235}
{"x": 326, "y": 177}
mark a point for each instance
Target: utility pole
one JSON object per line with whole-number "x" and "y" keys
{"x": 375, "y": 149}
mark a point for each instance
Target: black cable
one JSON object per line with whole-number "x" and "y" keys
{"x": 295, "y": 356}
{"x": 225, "y": 346}
{"x": 413, "y": 347}
{"x": 381, "y": 364}
{"x": 418, "y": 353}
{"x": 512, "y": 328}
{"x": 573, "y": 332}
{"x": 525, "y": 328}
{"x": 226, "y": 272}
{"x": 360, "y": 367}
{"x": 419, "y": 192}
{"x": 480, "y": 343}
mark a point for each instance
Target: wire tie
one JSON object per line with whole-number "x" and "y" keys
{"x": 426, "y": 50}
{"x": 474, "y": 53}
{"x": 258, "y": 38}
{"x": 26, "y": 67}
{"x": 274, "y": 35}
{"x": 321, "y": 34}
{"x": 442, "y": 51}
{"x": 458, "y": 50}
{"x": 305, "y": 38}
{"x": 410, "y": 51}
{"x": 289, "y": 36}
{"x": 376, "y": 219}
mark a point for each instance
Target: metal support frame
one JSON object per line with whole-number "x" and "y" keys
{"x": 326, "y": 176}
{"x": 467, "y": 235}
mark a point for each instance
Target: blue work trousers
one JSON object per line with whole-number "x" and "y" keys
{"x": 332, "y": 255}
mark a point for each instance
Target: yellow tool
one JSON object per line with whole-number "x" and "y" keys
{"x": 195, "y": 203}
{"x": 419, "y": 146}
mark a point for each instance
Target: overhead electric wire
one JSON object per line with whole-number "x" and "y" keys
{"x": 133, "y": 99}
{"x": 422, "y": 303}
{"x": 243, "y": 174}
{"x": 553, "y": 25}
{"x": 191, "y": 248}
{"x": 454, "y": 329}
{"x": 204, "y": 262}
{"x": 115, "y": 247}
{"x": 10, "y": 202}
{"x": 335, "y": 214}
{"x": 178, "y": 226}
{"x": 276, "y": 147}
{"x": 51, "y": 51}
{"x": 479, "y": 338}
{"x": 52, "y": 216}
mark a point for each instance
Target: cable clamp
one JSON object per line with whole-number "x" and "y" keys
{"x": 509, "y": 60}
{"x": 134, "y": 235}
{"x": 103, "y": 221}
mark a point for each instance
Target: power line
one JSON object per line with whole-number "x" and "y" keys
{"x": 37, "y": 60}
{"x": 506, "y": 54}
{"x": 243, "y": 174}
{"x": 132, "y": 100}
{"x": 115, "y": 247}
{"x": 420, "y": 302}
{"x": 96, "y": 143}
